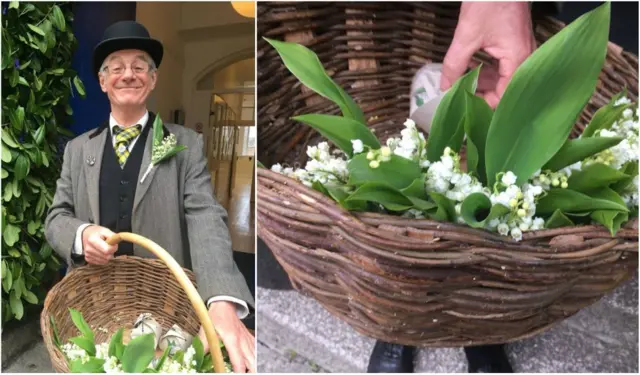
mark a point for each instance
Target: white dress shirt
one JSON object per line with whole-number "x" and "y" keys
{"x": 242, "y": 309}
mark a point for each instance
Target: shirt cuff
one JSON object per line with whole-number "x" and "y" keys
{"x": 242, "y": 309}
{"x": 77, "y": 247}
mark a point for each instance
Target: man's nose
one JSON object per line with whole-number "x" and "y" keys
{"x": 128, "y": 73}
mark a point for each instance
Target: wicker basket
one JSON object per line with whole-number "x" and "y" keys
{"x": 407, "y": 281}
{"x": 112, "y": 296}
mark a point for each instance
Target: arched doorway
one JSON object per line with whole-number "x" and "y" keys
{"x": 229, "y": 133}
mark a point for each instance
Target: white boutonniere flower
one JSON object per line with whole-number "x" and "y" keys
{"x": 162, "y": 148}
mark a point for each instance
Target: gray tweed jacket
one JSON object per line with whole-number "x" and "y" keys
{"x": 174, "y": 207}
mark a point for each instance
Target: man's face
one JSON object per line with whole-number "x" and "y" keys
{"x": 127, "y": 79}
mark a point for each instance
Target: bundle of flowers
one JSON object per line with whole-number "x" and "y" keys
{"x": 521, "y": 172}
{"x": 181, "y": 353}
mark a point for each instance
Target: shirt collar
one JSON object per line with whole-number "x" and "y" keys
{"x": 143, "y": 121}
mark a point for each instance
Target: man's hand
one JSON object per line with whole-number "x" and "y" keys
{"x": 501, "y": 29}
{"x": 240, "y": 344}
{"x": 94, "y": 244}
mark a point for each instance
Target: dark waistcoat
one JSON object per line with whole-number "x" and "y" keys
{"x": 118, "y": 187}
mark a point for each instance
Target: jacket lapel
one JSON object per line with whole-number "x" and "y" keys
{"x": 143, "y": 187}
{"x": 93, "y": 151}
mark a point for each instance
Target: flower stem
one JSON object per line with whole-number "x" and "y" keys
{"x": 146, "y": 173}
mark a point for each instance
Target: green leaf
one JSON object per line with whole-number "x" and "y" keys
{"x": 391, "y": 198}
{"x": 85, "y": 343}
{"x": 45, "y": 160}
{"x": 178, "y": 356}
{"x": 404, "y": 171}
{"x": 545, "y": 97}
{"x": 339, "y": 193}
{"x": 79, "y": 86}
{"x": 605, "y": 117}
{"x": 477, "y": 210}
{"x": 207, "y": 364}
{"x": 16, "y": 305}
{"x": 39, "y": 136}
{"x": 199, "y": 348}
{"x": 40, "y": 206}
{"x": 8, "y": 138}
{"x": 575, "y": 150}
{"x": 45, "y": 251}
{"x": 25, "y": 65}
{"x": 30, "y": 297}
{"x": 172, "y": 152}
{"x": 477, "y": 119}
{"x": 11, "y": 234}
{"x": 54, "y": 328}
{"x": 305, "y": 65}
{"x": 17, "y": 118}
{"x": 557, "y": 220}
{"x": 6, "y": 154}
{"x": 630, "y": 169}
{"x": 594, "y": 176}
{"x": 162, "y": 359}
{"x": 58, "y": 18}
{"x": 138, "y": 354}
{"x": 4, "y": 173}
{"x": 32, "y": 227}
{"x": 23, "y": 81}
{"x": 93, "y": 365}
{"x": 81, "y": 324}
{"x": 7, "y": 281}
{"x": 14, "y": 4}
{"x": 22, "y": 167}
{"x": 157, "y": 130}
{"x": 56, "y": 72}
{"x": 150, "y": 371}
{"x": 340, "y": 131}
{"x": 569, "y": 201}
{"x": 611, "y": 219}
{"x": 447, "y": 128}
{"x": 36, "y": 29}
{"x": 446, "y": 211}
{"x": 116, "y": 348}
{"x": 260, "y": 165}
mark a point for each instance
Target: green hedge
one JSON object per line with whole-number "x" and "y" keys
{"x": 37, "y": 82}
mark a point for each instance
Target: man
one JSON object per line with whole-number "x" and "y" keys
{"x": 101, "y": 191}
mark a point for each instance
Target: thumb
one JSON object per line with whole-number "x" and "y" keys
{"x": 203, "y": 339}
{"x": 457, "y": 60}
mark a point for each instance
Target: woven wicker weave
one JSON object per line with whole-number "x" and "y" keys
{"x": 112, "y": 297}
{"x": 407, "y": 281}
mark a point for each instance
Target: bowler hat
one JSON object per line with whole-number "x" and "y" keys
{"x": 126, "y": 35}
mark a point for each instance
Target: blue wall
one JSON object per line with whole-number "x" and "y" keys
{"x": 90, "y": 21}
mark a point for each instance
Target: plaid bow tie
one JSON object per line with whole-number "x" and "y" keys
{"x": 124, "y": 136}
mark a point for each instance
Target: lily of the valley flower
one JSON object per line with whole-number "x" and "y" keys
{"x": 163, "y": 151}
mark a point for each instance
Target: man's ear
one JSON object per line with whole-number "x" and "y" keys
{"x": 154, "y": 79}
{"x": 102, "y": 80}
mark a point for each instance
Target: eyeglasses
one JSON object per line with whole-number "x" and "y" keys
{"x": 120, "y": 69}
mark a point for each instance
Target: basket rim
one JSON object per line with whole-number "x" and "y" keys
{"x": 629, "y": 229}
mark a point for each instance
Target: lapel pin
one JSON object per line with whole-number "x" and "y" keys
{"x": 91, "y": 160}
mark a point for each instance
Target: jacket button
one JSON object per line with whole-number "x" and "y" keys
{"x": 122, "y": 198}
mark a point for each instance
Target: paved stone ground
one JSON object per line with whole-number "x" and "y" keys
{"x": 600, "y": 338}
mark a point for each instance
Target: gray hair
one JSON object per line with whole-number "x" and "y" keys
{"x": 147, "y": 58}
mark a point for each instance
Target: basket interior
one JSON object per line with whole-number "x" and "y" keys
{"x": 373, "y": 50}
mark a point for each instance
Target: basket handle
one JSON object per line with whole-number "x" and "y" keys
{"x": 187, "y": 285}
